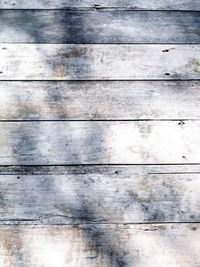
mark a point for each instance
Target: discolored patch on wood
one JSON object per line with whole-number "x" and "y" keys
{"x": 58, "y": 74}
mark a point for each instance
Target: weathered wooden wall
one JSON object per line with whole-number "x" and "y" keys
{"x": 99, "y": 133}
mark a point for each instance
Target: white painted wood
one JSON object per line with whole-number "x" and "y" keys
{"x": 42, "y": 26}
{"x": 160, "y": 245}
{"x": 99, "y": 142}
{"x": 120, "y": 194}
{"x": 120, "y": 62}
{"x": 133, "y": 4}
{"x": 99, "y": 100}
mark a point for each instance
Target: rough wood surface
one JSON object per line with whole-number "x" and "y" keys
{"x": 19, "y": 26}
{"x": 100, "y": 62}
{"x": 41, "y": 179}
{"x": 140, "y": 170}
{"x": 160, "y": 245}
{"x": 99, "y": 142}
{"x": 114, "y": 194}
{"x": 101, "y": 100}
{"x": 133, "y": 4}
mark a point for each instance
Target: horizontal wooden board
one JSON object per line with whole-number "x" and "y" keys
{"x": 98, "y": 62}
{"x": 114, "y": 194}
{"x": 139, "y": 170}
{"x": 99, "y": 142}
{"x": 88, "y": 246}
{"x": 133, "y": 4}
{"x": 103, "y": 100}
{"x": 34, "y": 26}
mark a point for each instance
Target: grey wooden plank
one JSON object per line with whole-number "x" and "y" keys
{"x": 87, "y": 246}
{"x": 138, "y": 142}
{"x": 116, "y": 194}
{"x": 98, "y": 62}
{"x": 102, "y": 100}
{"x": 133, "y": 4}
{"x": 25, "y": 26}
{"x": 139, "y": 170}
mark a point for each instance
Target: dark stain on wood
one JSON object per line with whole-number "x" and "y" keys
{"x": 116, "y": 26}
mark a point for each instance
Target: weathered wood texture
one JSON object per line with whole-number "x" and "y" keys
{"x": 114, "y": 194}
{"x": 79, "y": 62}
{"x": 99, "y": 27}
{"x": 88, "y": 246}
{"x": 133, "y": 4}
{"x": 140, "y": 170}
{"x": 103, "y": 100}
{"x": 99, "y": 142}
{"x": 105, "y": 196}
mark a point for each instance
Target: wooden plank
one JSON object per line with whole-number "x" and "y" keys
{"x": 97, "y": 62}
{"x": 139, "y": 170}
{"x": 105, "y": 246}
{"x": 138, "y": 142}
{"x": 19, "y": 26}
{"x": 130, "y": 4}
{"x": 118, "y": 194}
{"x": 99, "y": 100}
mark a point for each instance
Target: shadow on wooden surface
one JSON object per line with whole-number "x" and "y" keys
{"x": 98, "y": 239}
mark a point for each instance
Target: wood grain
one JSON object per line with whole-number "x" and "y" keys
{"x": 129, "y": 4}
{"x": 139, "y": 170}
{"x": 114, "y": 194}
{"x": 105, "y": 246}
{"x": 98, "y": 62}
{"x": 58, "y": 207}
{"x": 139, "y": 142}
{"x": 103, "y": 100}
{"x": 25, "y": 26}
